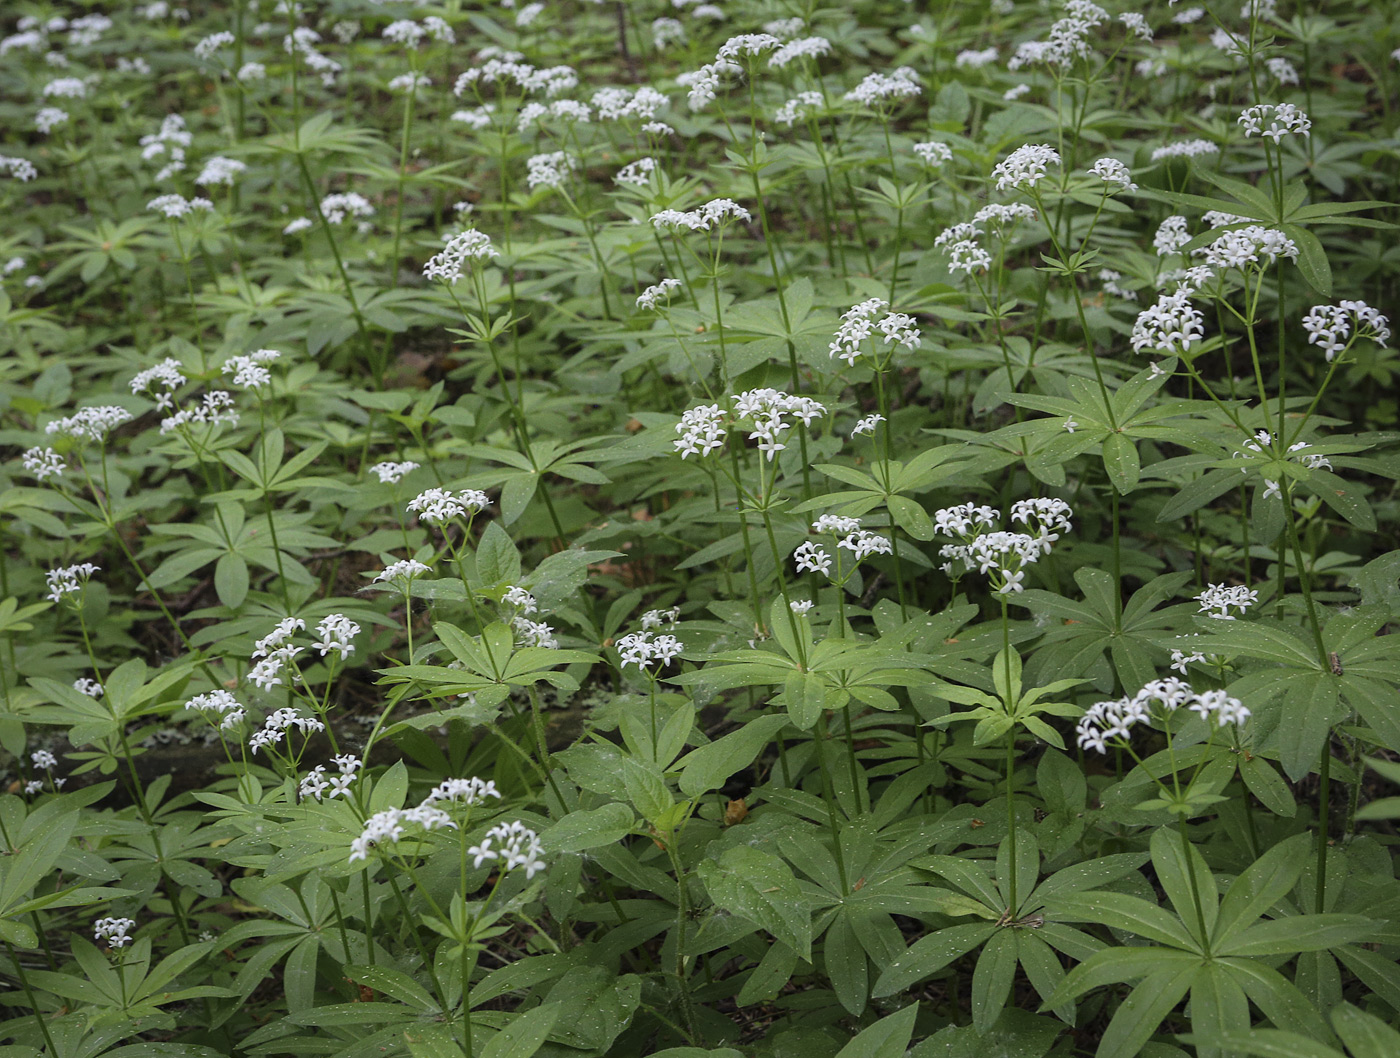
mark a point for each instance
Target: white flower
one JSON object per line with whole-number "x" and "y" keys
{"x": 1188, "y": 15}
{"x": 968, "y": 256}
{"x": 65, "y": 88}
{"x": 1251, "y": 245}
{"x": 790, "y": 111}
{"x": 477, "y": 117}
{"x": 1222, "y": 598}
{"x": 975, "y": 59}
{"x": 932, "y": 153}
{"x": 87, "y": 685}
{"x": 1025, "y": 166}
{"x": 436, "y": 506}
{"x": 43, "y": 463}
{"x": 409, "y": 82}
{"x": 1282, "y": 71}
{"x": 1171, "y": 236}
{"x": 657, "y": 618}
{"x": 1070, "y": 426}
{"x": 20, "y": 168}
{"x": 336, "y": 631}
{"x": 862, "y": 543}
{"x": 1136, "y": 23}
{"x": 812, "y": 558}
{"x": 300, "y": 224}
{"x": 516, "y": 845}
{"x": 42, "y": 758}
{"x": 175, "y": 207}
{"x": 250, "y": 72}
{"x": 336, "y": 208}
{"x": 702, "y": 431}
{"x": 470, "y": 245}
{"x": 250, "y": 371}
{"x": 1015, "y": 92}
{"x": 876, "y": 88}
{"x": 667, "y": 31}
{"x": 278, "y": 724}
{"x": 114, "y": 931}
{"x": 521, "y": 599}
{"x": 661, "y": 291}
{"x": 637, "y": 174}
{"x": 549, "y": 170}
{"x": 466, "y": 792}
{"x": 1283, "y": 119}
{"x": 404, "y": 570}
{"x": 1185, "y": 149}
{"x": 1172, "y": 325}
{"x": 390, "y": 473}
{"x": 801, "y": 607}
{"x": 867, "y": 425}
{"x": 389, "y": 826}
{"x": 67, "y": 580}
{"x": 219, "y": 702}
{"x": 1330, "y": 326}
{"x": 748, "y": 44}
{"x": 206, "y": 47}
{"x": 1112, "y": 171}
{"x": 90, "y": 424}
{"x": 644, "y": 650}
{"x": 49, "y": 118}
{"x": 802, "y": 48}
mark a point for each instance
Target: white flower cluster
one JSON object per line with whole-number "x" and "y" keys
{"x": 42, "y": 758}
{"x": 1330, "y": 326}
{"x": 715, "y": 211}
{"x": 1001, "y": 555}
{"x": 390, "y": 826}
{"x": 1113, "y": 172}
{"x": 1067, "y": 39}
{"x": 1137, "y": 24}
{"x": 278, "y": 724}
{"x": 747, "y": 44}
{"x": 972, "y": 59}
{"x": 619, "y": 104}
{"x": 516, "y": 846}
{"x": 336, "y": 630}
{"x": 549, "y": 170}
{"x": 1254, "y": 244}
{"x": 115, "y": 932}
{"x": 658, "y": 618}
{"x": 932, "y": 153}
{"x": 876, "y": 88}
{"x": 862, "y": 543}
{"x": 567, "y": 111}
{"x": 275, "y": 651}
{"x": 1281, "y": 70}
{"x": 1219, "y": 599}
{"x": 659, "y": 292}
{"x": 467, "y": 792}
{"x": 46, "y": 119}
{"x": 22, "y": 169}
{"x": 436, "y": 506}
{"x": 219, "y": 170}
{"x": 1185, "y": 149}
{"x": 802, "y": 48}
{"x": 552, "y": 80}
{"x": 90, "y": 424}
{"x": 527, "y": 633}
{"x": 794, "y": 108}
{"x": 636, "y": 174}
{"x": 216, "y": 407}
{"x": 470, "y": 245}
{"x": 170, "y": 142}
{"x": 222, "y": 704}
{"x": 1171, "y": 236}
{"x": 402, "y": 571}
{"x": 811, "y": 557}
{"x": 1111, "y": 723}
{"x": 1025, "y": 167}
{"x": 391, "y": 473}
{"x": 702, "y": 431}
{"x": 207, "y": 46}
{"x": 176, "y": 207}
{"x": 645, "y": 649}
{"x": 1283, "y": 119}
{"x": 336, "y": 208}
{"x": 303, "y": 40}
{"x": 867, "y": 425}
{"x": 858, "y": 324}
{"x": 68, "y": 579}
{"x": 167, "y": 375}
{"x": 476, "y": 118}
{"x": 87, "y": 685}
{"x": 42, "y": 462}
{"x": 766, "y": 409}
{"x": 704, "y": 83}
{"x": 1172, "y": 325}
{"x": 410, "y": 82}
{"x": 318, "y": 785}
{"x": 250, "y": 371}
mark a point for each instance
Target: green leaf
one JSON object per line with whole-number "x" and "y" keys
{"x": 928, "y": 955}
{"x": 497, "y": 560}
{"x": 1140, "y": 1015}
{"x": 708, "y": 767}
{"x": 1175, "y": 865}
{"x": 1365, "y": 1034}
{"x": 524, "y": 1035}
{"x": 1120, "y": 460}
{"x": 887, "y": 1038}
{"x": 992, "y": 978}
{"x": 588, "y": 829}
{"x": 1299, "y": 933}
{"x": 1266, "y": 882}
{"x": 760, "y": 887}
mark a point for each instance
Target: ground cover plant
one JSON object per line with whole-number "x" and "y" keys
{"x": 763, "y": 528}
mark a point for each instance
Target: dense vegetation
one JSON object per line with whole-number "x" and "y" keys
{"x": 657, "y": 527}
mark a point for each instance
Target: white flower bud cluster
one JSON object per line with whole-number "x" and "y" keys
{"x": 42, "y": 758}
{"x": 802, "y": 48}
{"x": 114, "y": 932}
{"x": 659, "y": 618}
{"x": 22, "y": 169}
{"x": 619, "y": 104}
{"x": 933, "y": 153}
{"x": 222, "y": 704}
{"x": 401, "y": 572}
{"x": 87, "y": 685}
{"x": 336, "y": 208}
{"x": 1113, "y": 172}
{"x": 1330, "y": 327}
{"x": 167, "y": 375}
{"x": 636, "y": 174}
{"x": 336, "y": 631}
{"x": 1171, "y": 236}
{"x": 177, "y": 207}
{"x": 90, "y": 424}
{"x": 552, "y": 80}
{"x": 1111, "y": 723}
{"x": 704, "y": 83}
{"x": 275, "y": 650}
{"x": 998, "y": 554}
{"x": 391, "y": 473}
{"x": 278, "y": 724}
{"x": 1185, "y": 149}
{"x": 795, "y": 107}
{"x": 470, "y": 245}
{"x": 466, "y": 792}
{"x": 702, "y": 431}
{"x": 216, "y": 408}
{"x": 436, "y": 506}
{"x": 220, "y": 170}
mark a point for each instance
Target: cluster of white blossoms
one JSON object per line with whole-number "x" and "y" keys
{"x": 1172, "y": 325}
{"x": 1113, "y": 173}
{"x": 214, "y": 409}
{"x": 1185, "y": 149}
{"x": 401, "y": 572}
{"x": 339, "y": 207}
{"x": 1219, "y": 599}
{"x": 87, "y": 685}
{"x": 1253, "y": 245}
{"x": 867, "y": 425}
{"x": 228, "y": 709}
{"x": 465, "y": 792}
{"x": 319, "y": 785}
{"x": 766, "y": 409}
{"x": 528, "y": 633}
{"x": 42, "y": 758}
{"x": 476, "y": 118}
{"x": 858, "y": 325}
{"x": 336, "y": 631}
{"x": 90, "y": 424}
{"x": 658, "y": 293}
{"x": 391, "y": 473}
{"x": 251, "y": 371}
{"x": 166, "y": 377}
{"x": 390, "y": 825}
{"x": 114, "y": 932}
{"x": 436, "y": 506}
{"x": 1025, "y": 167}
{"x": 875, "y": 89}
{"x": 1333, "y": 328}
{"x": 714, "y": 212}
{"x": 1283, "y": 119}
{"x": 645, "y": 649}
{"x": 659, "y": 618}
{"x": 797, "y": 106}
{"x": 933, "y": 153}
{"x": 702, "y": 430}
{"x": 275, "y": 650}
{"x": 620, "y": 104}
{"x": 565, "y": 111}
{"x": 220, "y": 170}
{"x": 811, "y": 557}
{"x": 704, "y": 84}
{"x": 801, "y": 48}
{"x": 1171, "y": 236}
{"x": 1110, "y": 723}
{"x": 410, "y": 82}
{"x": 1067, "y": 39}
{"x": 636, "y": 174}
{"x": 551, "y": 80}
{"x": 22, "y": 169}
{"x": 46, "y": 119}
{"x": 510, "y": 845}
{"x": 970, "y": 58}
{"x": 177, "y": 207}
{"x": 278, "y": 724}
{"x": 67, "y": 580}
{"x": 303, "y": 40}
{"x": 999, "y": 554}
